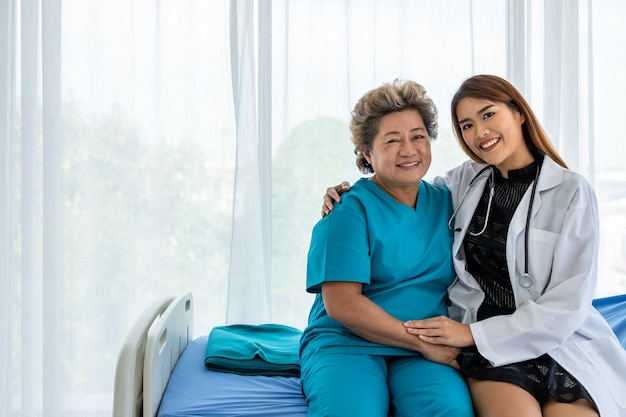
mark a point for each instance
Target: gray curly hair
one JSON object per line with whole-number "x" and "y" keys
{"x": 388, "y": 98}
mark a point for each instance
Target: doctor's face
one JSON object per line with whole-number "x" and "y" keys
{"x": 493, "y": 131}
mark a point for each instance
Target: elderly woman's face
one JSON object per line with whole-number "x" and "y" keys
{"x": 400, "y": 154}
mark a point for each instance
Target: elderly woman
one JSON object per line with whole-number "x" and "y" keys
{"x": 380, "y": 258}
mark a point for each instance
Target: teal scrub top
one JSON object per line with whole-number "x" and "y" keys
{"x": 402, "y": 257}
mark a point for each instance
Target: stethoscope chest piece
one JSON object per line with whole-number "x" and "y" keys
{"x": 526, "y": 281}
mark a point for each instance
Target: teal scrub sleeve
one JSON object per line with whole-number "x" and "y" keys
{"x": 339, "y": 249}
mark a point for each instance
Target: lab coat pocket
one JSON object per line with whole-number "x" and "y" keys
{"x": 541, "y": 247}
{"x": 606, "y": 357}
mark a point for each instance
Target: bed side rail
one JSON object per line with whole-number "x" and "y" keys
{"x": 128, "y": 388}
{"x": 168, "y": 337}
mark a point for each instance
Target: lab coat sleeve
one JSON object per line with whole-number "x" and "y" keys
{"x": 544, "y": 321}
{"x": 443, "y": 181}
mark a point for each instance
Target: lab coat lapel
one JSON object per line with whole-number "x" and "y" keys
{"x": 515, "y": 240}
{"x": 464, "y": 216}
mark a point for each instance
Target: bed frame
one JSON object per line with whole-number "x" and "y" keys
{"x": 148, "y": 355}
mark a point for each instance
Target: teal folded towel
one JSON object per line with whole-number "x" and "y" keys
{"x": 264, "y": 349}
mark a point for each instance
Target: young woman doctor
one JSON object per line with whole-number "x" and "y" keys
{"x": 525, "y": 254}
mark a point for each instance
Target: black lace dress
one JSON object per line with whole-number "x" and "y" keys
{"x": 486, "y": 261}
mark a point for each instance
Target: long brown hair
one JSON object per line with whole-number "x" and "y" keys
{"x": 494, "y": 88}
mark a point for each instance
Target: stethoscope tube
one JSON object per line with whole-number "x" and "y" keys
{"x": 469, "y": 188}
{"x": 526, "y": 280}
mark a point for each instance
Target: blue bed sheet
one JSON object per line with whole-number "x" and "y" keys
{"x": 193, "y": 390}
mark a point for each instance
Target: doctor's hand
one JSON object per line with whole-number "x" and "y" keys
{"x": 332, "y": 196}
{"x": 441, "y": 331}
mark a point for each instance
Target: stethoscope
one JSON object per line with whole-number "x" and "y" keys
{"x": 526, "y": 280}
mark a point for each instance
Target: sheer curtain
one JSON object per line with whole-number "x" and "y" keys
{"x": 249, "y": 296}
{"x": 155, "y": 147}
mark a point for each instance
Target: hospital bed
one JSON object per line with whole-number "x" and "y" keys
{"x": 161, "y": 372}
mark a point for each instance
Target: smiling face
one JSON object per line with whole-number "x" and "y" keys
{"x": 400, "y": 154}
{"x": 493, "y": 131}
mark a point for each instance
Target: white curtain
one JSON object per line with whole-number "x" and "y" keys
{"x": 249, "y": 283}
{"x": 7, "y": 107}
{"x": 153, "y": 147}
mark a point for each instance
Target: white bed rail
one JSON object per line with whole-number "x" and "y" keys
{"x": 168, "y": 337}
{"x": 128, "y": 390}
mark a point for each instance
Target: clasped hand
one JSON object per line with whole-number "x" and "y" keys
{"x": 441, "y": 331}
{"x": 440, "y": 339}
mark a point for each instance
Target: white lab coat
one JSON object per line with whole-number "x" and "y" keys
{"x": 555, "y": 314}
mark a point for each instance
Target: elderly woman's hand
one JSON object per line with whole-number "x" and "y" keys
{"x": 443, "y": 354}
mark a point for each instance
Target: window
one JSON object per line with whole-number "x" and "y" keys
{"x": 140, "y": 156}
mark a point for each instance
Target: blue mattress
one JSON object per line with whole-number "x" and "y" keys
{"x": 194, "y": 390}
